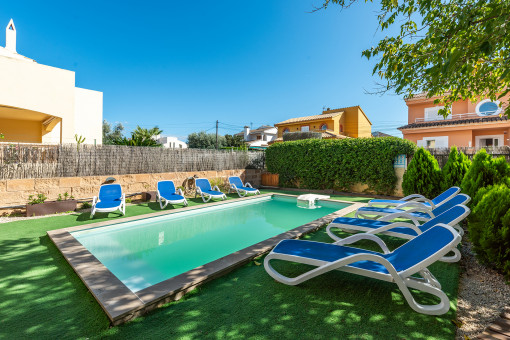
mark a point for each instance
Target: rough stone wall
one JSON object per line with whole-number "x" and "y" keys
{"x": 16, "y": 191}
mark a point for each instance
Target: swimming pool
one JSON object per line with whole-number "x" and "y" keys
{"x": 145, "y": 252}
{"x": 132, "y": 265}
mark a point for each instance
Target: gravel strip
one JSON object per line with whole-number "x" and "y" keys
{"x": 6, "y": 219}
{"x": 483, "y": 295}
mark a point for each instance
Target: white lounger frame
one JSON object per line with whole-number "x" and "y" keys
{"x": 241, "y": 192}
{"x": 160, "y": 199}
{"x": 121, "y": 207}
{"x": 414, "y": 200}
{"x": 404, "y": 280}
{"x": 209, "y": 196}
{"x": 385, "y": 231}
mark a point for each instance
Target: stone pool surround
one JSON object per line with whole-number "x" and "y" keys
{"x": 121, "y": 304}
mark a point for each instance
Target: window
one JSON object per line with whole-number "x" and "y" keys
{"x": 489, "y": 141}
{"x": 431, "y": 143}
{"x": 488, "y": 107}
{"x": 259, "y": 137}
{"x": 305, "y": 128}
{"x": 286, "y": 130}
{"x": 324, "y": 126}
{"x": 431, "y": 113}
{"x": 341, "y": 128}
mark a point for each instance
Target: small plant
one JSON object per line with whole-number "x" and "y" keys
{"x": 128, "y": 200}
{"x": 484, "y": 171}
{"x": 66, "y": 195}
{"x": 79, "y": 140}
{"x": 40, "y": 198}
{"x": 2, "y": 136}
{"x": 86, "y": 205}
{"x": 59, "y": 198}
{"x": 455, "y": 169}
{"x": 423, "y": 175}
{"x": 220, "y": 182}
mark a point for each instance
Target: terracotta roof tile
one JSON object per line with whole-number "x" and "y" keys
{"x": 447, "y": 122}
{"x": 309, "y": 118}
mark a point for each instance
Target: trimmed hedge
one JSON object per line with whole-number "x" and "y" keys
{"x": 423, "y": 175}
{"x": 338, "y": 163}
{"x": 455, "y": 169}
{"x": 489, "y": 227}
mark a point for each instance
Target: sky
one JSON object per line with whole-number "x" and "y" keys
{"x": 182, "y": 65}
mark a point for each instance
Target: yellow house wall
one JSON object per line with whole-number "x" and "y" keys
{"x": 364, "y": 126}
{"x": 314, "y": 125}
{"x": 20, "y": 131}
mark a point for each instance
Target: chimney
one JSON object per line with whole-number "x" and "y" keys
{"x": 10, "y": 37}
{"x": 246, "y": 132}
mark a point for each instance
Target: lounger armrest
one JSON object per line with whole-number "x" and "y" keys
{"x": 413, "y": 196}
{"x": 415, "y": 204}
{"x": 248, "y": 185}
{"x": 94, "y": 200}
{"x": 179, "y": 191}
{"x": 216, "y": 187}
{"x": 364, "y": 236}
{"x": 405, "y": 215}
{"x": 423, "y": 200}
{"x": 396, "y": 225}
{"x": 124, "y": 198}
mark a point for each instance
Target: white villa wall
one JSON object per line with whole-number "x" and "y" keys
{"x": 88, "y": 115}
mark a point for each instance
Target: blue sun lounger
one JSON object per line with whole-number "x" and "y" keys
{"x": 203, "y": 188}
{"x": 414, "y": 214}
{"x": 242, "y": 189}
{"x": 110, "y": 199}
{"x": 405, "y": 230}
{"x": 418, "y": 200}
{"x": 406, "y": 266}
{"x": 168, "y": 194}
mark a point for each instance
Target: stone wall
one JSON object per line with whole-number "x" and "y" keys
{"x": 16, "y": 191}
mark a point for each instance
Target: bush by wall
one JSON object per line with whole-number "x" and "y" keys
{"x": 489, "y": 227}
{"x": 484, "y": 171}
{"x": 455, "y": 169}
{"x": 423, "y": 175}
{"x": 338, "y": 163}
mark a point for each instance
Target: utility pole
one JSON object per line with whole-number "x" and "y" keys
{"x": 216, "y": 135}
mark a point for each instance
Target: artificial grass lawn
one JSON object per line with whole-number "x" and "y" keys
{"x": 42, "y": 297}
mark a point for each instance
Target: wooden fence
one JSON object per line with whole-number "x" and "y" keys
{"x": 18, "y": 161}
{"x": 441, "y": 154}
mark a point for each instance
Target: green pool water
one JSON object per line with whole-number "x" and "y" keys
{"x": 147, "y": 251}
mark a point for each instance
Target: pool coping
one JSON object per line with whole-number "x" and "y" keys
{"x": 121, "y": 304}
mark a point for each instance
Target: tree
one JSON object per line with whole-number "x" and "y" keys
{"x": 109, "y": 134}
{"x": 235, "y": 141}
{"x": 140, "y": 137}
{"x": 203, "y": 140}
{"x": 454, "y": 169}
{"x": 453, "y": 49}
{"x": 423, "y": 175}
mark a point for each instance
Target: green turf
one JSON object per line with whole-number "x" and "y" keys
{"x": 41, "y": 297}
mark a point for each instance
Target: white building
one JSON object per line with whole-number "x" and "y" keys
{"x": 259, "y": 137}
{"x": 171, "y": 142}
{"x": 41, "y": 104}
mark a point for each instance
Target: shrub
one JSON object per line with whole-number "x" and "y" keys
{"x": 298, "y": 135}
{"x": 489, "y": 227}
{"x": 484, "y": 171}
{"x": 338, "y": 163}
{"x": 221, "y": 183}
{"x": 423, "y": 175}
{"x": 455, "y": 169}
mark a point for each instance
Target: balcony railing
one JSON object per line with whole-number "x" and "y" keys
{"x": 454, "y": 117}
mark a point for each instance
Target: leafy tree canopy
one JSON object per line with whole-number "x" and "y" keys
{"x": 140, "y": 137}
{"x": 203, "y": 140}
{"x": 235, "y": 141}
{"x": 111, "y": 134}
{"x": 453, "y": 49}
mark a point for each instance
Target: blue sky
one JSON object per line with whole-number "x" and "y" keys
{"x": 182, "y": 65}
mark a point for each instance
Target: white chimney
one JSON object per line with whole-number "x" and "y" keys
{"x": 246, "y": 133}
{"x": 10, "y": 37}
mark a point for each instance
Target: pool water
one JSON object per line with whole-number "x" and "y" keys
{"x": 147, "y": 251}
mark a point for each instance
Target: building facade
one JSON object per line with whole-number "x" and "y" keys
{"x": 333, "y": 124}
{"x": 259, "y": 137}
{"x": 171, "y": 142}
{"x": 470, "y": 124}
{"x": 41, "y": 104}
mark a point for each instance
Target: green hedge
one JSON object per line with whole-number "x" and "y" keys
{"x": 455, "y": 169}
{"x": 338, "y": 163}
{"x": 489, "y": 227}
